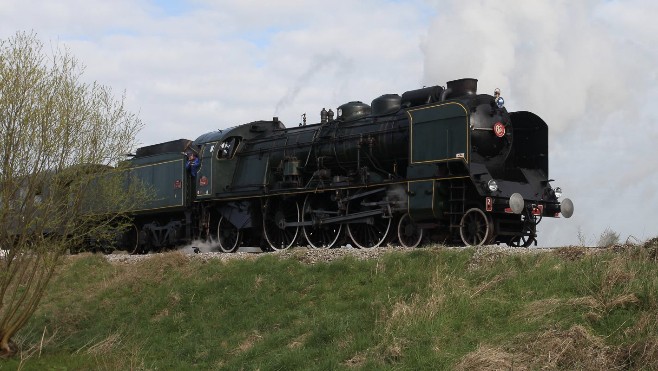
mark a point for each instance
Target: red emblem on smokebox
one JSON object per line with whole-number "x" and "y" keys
{"x": 499, "y": 129}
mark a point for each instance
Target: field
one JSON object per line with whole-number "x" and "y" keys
{"x": 432, "y": 308}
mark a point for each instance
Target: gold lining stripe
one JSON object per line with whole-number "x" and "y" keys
{"x": 307, "y": 191}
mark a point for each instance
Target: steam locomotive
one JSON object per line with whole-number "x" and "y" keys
{"x": 438, "y": 164}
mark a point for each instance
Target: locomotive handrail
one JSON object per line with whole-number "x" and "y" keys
{"x": 284, "y": 147}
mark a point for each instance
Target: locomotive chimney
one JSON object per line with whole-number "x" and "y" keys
{"x": 330, "y": 115}
{"x": 323, "y": 116}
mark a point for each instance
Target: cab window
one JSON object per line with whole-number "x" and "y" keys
{"x": 228, "y": 147}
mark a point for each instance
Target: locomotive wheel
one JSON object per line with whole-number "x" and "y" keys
{"x": 476, "y": 228}
{"x": 277, "y": 235}
{"x": 521, "y": 241}
{"x": 369, "y": 234}
{"x": 529, "y": 229}
{"x": 408, "y": 232}
{"x": 316, "y": 208}
{"x": 228, "y": 236}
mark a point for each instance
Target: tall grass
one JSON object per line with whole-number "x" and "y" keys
{"x": 428, "y": 309}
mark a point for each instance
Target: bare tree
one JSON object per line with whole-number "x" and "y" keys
{"x": 61, "y": 139}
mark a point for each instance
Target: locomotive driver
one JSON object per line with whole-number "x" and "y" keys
{"x": 192, "y": 165}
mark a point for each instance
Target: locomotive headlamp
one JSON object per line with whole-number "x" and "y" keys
{"x": 558, "y": 192}
{"x": 492, "y": 185}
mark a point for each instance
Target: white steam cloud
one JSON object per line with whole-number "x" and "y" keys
{"x": 588, "y": 68}
{"x": 543, "y": 55}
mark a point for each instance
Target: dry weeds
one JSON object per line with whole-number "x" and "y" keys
{"x": 485, "y": 286}
{"x": 115, "y": 353}
{"x": 258, "y": 281}
{"x": 555, "y": 349}
{"x": 35, "y": 349}
{"x": 492, "y": 359}
{"x": 651, "y": 247}
{"x": 105, "y": 346}
{"x": 248, "y": 342}
{"x": 161, "y": 265}
{"x": 572, "y": 253}
{"x": 394, "y": 351}
{"x": 486, "y": 256}
{"x": 160, "y": 315}
{"x": 299, "y": 341}
{"x": 539, "y": 309}
{"x": 615, "y": 289}
{"x": 357, "y": 361}
{"x": 641, "y": 348}
{"x": 575, "y": 348}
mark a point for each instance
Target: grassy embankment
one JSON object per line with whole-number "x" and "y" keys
{"x": 428, "y": 309}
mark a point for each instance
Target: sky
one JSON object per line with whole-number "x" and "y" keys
{"x": 589, "y": 68}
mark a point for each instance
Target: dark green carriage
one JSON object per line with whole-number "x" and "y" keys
{"x": 162, "y": 174}
{"x": 164, "y": 216}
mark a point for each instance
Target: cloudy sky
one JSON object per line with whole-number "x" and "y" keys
{"x": 589, "y": 68}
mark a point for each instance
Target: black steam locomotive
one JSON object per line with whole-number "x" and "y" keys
{"x": 436, "y": 164}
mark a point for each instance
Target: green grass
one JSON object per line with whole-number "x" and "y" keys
{"x": 428, "y": 309}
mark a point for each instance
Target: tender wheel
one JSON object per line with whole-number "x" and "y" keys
{"x": 373, "y": 230}
{"x": 275, "y": 215}
{"x": 476, "y": 228}
{"x": 228, "y": 236}
{"x": 316, "y": 209}
{"x": 131, "y": 240}
{"x": 408, "y": 232}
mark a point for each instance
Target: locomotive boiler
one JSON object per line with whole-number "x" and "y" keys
{"x": 442, "y": 164}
